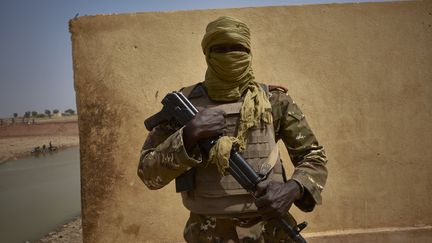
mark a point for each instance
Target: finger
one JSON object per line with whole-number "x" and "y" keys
{"x": 271, "y": 216}
{"x": 266, "y": 209}
{"x": 215, "y": 110}
{"x": 220, "y": 118}
{"x": 262, "y": 201}
{"x": 221, "y": 124}
{"x": 268, "y": 213}
{"x": 221, "y": 112}
{"x": 219, "y": 127}
{"x": 261, "y": 188}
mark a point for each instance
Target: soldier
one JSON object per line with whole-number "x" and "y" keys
{"x": 252, "y": 117}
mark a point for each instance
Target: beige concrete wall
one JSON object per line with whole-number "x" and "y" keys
{"x": 361, "y": 73}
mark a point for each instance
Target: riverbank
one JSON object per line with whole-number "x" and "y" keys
{"x": 18, "y": 140}
{"x": 70, "y": 232}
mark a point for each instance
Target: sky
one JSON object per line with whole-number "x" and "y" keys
{"x": 35, "y": 48}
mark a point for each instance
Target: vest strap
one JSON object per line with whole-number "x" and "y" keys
{"x": 268, "y": 165}
{"x": 193, "y": 91}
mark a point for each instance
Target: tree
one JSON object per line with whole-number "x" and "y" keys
{"x": 34, "y": 113}
{"x": 48, "y": 113}
{"x": 55, "y": 111}
{"x": 70, "y": 111}
{"x": 27, "y": 114}
{"x": 15, "y": 115}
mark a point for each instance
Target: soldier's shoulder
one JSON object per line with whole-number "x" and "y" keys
{"x": 279, "y": 95}
{"x": 282, "y": 103}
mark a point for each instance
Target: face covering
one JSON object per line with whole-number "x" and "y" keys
{"x": 228, "y": 73}
{"x": 228, "y": 78}
{"x": 231, "y": 67}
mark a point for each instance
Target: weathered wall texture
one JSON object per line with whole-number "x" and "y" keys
{"x": 361, "y": 73}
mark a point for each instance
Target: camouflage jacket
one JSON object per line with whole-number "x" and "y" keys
{"x": 163, "y": 156}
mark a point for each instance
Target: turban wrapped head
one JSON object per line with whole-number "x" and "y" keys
{"x": 229, "y": 77}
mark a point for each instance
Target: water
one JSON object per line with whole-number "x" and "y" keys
{"x": 37, "y": 194}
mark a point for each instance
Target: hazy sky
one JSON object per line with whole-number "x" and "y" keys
{"x": 35, "y": 47}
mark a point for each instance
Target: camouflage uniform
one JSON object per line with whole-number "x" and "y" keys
{"x": 163, "y": 158}
{"x": 204, "y": 228}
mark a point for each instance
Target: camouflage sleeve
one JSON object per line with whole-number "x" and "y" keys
{"x": 163, "y": 157}
{"x": 307, "y": 156}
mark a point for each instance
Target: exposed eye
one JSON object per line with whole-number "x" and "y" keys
{"x": 219, "y": 49}
{"x": 224, "y": 48}
{"x": 239, "y": 48}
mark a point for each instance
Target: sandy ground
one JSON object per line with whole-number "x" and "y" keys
{"x": 68, "y": 233}
{"x": 17, "y": 141}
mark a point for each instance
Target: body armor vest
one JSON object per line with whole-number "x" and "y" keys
{"x": 219, "y": 195}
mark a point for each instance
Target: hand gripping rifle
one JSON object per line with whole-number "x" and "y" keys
{"x": 176, "y": 107}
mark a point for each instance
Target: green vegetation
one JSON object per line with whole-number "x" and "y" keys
{"x": 69, "y": 112}
{"x": 48, "y": 113}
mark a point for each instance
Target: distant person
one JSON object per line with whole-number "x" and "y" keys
{"x": 51, "y": 147}
{"x": 246, "y": 114}
{"x": 36, "y": 150}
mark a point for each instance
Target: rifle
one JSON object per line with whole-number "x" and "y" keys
{"x": 177, "y": 108}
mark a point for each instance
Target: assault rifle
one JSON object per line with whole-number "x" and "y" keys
{"x": 177, "y": 108}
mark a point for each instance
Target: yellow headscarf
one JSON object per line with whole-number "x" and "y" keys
{"x": 229, "y": 77}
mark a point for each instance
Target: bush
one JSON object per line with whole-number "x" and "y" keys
{"x": 70, "y": 111}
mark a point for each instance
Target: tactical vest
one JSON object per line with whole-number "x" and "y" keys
{"x": 221, "y": 195}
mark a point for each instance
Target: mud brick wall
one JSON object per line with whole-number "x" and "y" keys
{"x": 360, "y": 72}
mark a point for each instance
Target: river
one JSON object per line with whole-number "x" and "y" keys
{"x": 37, "y": 194}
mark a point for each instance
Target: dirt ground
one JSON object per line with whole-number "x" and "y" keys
{"x": 17, "y": 141}
{"x": 68, "y": 233}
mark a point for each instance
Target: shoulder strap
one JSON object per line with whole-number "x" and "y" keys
{"x": 193, "y": 91}
{"x": 277, "y": 88}
{"x": 187, "y": 90}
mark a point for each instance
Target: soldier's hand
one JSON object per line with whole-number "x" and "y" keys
{"x": 208, "y": 123}
{"x": 274, "y": 199}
